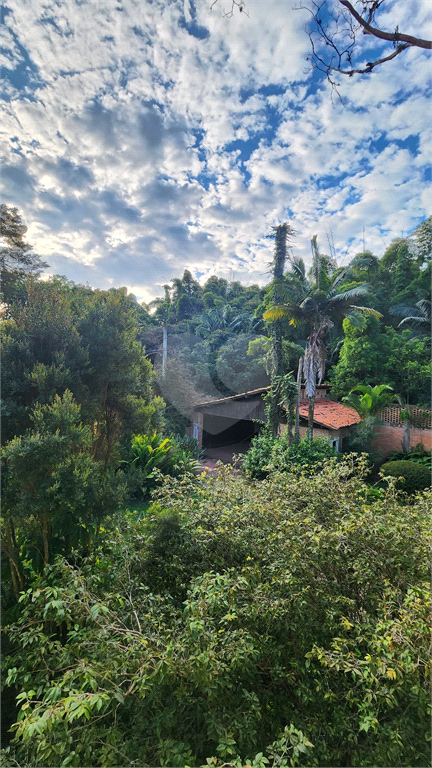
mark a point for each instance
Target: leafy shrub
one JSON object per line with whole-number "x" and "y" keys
{"x": 417, "y": 454}
{"x": 258, "y": 456}
{"x": 152, "y": 456}
{"x": 186, "y": 455}
{"x": 416, "y": 476}
{"x": 268, "y": 454}
{"x": 286, "y": 619}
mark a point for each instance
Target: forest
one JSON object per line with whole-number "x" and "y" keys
{"x": 274, "y": 614}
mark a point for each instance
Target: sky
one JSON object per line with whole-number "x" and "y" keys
{"x": 143, "y": 137}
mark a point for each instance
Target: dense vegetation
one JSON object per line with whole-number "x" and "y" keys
{"x": 217, "y": 335}
{"x": 154, "y": 616}
{"x": 233, "y": 611}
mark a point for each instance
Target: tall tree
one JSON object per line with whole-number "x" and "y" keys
{"x": 317, "y": 301}
{"x": 281, "y": 233}
{"x": 17, "y": 260}
{"x": 70, "y": 337}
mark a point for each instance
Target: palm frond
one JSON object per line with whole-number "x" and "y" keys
{"x": 337, "y": 280}
{"x": 424, "y": 306}
{"x": 367, "y": 311}
{"x": 298, "y": 266}
{"x": 277, "y": 312}
{"x": 405, "y": 310}
{"x": 352, "y": 293}
{"x": 416, "y": 322}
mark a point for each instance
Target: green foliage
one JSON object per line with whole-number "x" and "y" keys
{"x": 150, "y": 452}
{"x": 394, "y": 358}
{"x": 54, "y": 494}
{"x": 70, "y": 337}
{"x": 152, "y": 456}
{"x": 360, "y": 360}
{"x": 237, "y": 369}
{"x": 270, "y": 628}
{"x": 259, "y": 455}
{"x": 417, "y": 454}
{"x": 17, "y": 261}
{"x": 407, "y": 365}
{"x": 415, "y": 476}
{"x": 268, "y": 454}
{"x": 367, "y": 400}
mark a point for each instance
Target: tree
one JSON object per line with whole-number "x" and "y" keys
{"x": 281, "y": 234}
{"x": 393, "y": 357}
{"x": 187, "y": 296}
{"x": 119, "y": 377}
{"x": 17, "y": 260}
{"x": 54, "y": 494}
{"x": 360, "y": 357}
{"x": 406, "y": 365}
{"x": 335, "y": 30}
{"x": 421, "y": 240}
{"x": 43, "y": 353}
{"x": 71, "y": 337}
{"x": 317, "y": 301}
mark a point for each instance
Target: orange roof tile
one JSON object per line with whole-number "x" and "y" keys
{"x": 330, "y": 414}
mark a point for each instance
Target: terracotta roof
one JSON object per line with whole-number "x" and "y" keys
{"x": 246, "y": 395}
{"x": 330, "y": 414}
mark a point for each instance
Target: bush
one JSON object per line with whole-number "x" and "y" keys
{"x": 268, "y": 454}
{"x": 152, "y": 456}
{"x": 236, "y": 608}
{"x": 416, "y": 476}
{"x": 417, "y": 454}
{"x": 258, "y": 456}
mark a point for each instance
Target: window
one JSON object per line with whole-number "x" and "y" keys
{"x": 335, "y": 444}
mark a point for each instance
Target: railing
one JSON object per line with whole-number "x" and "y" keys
{"x": 420, "y": 417}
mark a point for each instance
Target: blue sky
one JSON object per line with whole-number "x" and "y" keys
{"x": 141, "y": 137}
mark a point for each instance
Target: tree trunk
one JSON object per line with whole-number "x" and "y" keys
{"x": 311, "y": 418}
{"x": 278, "y": 349}
{"x": 289, "y": 424}
{"x": 11, "y": 553}
{"x": 297, "y": 412}
{"x": 45, "y": 538}
{"x": 406, "y": 436}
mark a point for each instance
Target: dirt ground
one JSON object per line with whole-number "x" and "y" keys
{"x": 224, "y": 454}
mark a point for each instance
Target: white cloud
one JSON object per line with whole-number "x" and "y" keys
{"x": 116, "y": 139}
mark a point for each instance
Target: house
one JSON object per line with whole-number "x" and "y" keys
{"x": 233, "y": 419}
{"x": 331, "y": 419}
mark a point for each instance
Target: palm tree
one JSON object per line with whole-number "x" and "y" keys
{"x": 277, "y": 266}
{"x": 368, "y": 401}
{"x": 418, "y": 317}
{"x": 318, "y": 301}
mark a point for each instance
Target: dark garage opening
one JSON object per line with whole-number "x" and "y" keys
{"x": 219, "y": 431}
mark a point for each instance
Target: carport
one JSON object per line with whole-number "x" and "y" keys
{"x": 229, "y": 420}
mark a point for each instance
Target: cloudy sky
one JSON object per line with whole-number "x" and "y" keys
{"x": 140, "y": 137}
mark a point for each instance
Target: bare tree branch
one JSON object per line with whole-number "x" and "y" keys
{"x": 336, "y": 29}
{"x": 395, "y": 37}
